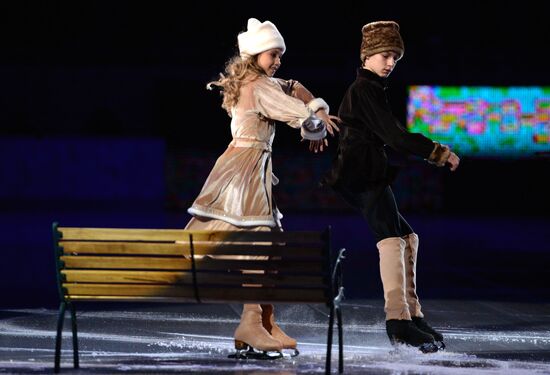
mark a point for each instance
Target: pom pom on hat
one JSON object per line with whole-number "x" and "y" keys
{"x": 381, "y": 36}
{"x": 259, "y": 37}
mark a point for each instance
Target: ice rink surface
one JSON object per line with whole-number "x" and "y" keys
{"x": 481, "y": 338}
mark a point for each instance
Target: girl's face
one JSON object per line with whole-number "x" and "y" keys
{"x": 381, "y": 63}
{"x": 270, "y": 60}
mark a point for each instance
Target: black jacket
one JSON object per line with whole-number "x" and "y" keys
{"x": 368, "y": 125}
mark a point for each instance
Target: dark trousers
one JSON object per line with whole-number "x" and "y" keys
{"x": 378, "y": 207}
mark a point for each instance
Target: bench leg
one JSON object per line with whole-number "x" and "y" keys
{"x": 340, "y": 341}
{"x": 75, "y": 337}
{"x": 329, "y": 340}
{"x": 60, "y": 320}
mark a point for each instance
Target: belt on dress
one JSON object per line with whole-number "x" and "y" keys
{"x": 250, "y": 143}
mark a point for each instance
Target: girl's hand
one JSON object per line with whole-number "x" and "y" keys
{"x": 331, "y": 125}
{"x": 318, "y": 146}
{"x": 330, "y": 121}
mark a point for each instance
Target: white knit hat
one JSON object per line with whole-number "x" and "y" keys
{"x": 259, "y": 37}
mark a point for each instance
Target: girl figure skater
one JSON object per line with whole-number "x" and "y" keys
{"x": 362, "y": 176}
{"x": 237, "y": 194}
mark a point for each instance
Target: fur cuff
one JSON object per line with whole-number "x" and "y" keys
{"x": 439, "y": 155}
{"x": 317, "y": 104}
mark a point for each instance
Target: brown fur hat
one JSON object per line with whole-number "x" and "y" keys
{"x": 381, "y": 36}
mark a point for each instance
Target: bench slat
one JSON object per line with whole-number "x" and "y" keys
{"x": 171, "y": 235}
{"x": 181, "y": 263}
{"x": 167, "y": 277}
{"x": 126, "y": 248}
{"x": 119, "y": 234}
{"x": 97, "y": 291}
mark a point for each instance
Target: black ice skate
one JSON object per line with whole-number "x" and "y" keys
{"x": 422, "y": 325}
{"x": 406, "y": 332}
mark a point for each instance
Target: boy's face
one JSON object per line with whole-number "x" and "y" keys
{"x": 382, "y": 63}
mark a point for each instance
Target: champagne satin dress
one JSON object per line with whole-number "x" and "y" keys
{"x": 237, "y": 195}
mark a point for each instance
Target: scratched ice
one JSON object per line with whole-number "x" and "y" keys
{"x": 198, "y": 339}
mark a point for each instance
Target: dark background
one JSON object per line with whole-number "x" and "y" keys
{"x": 139, "y": 68}
{"x": 105, "y": 121}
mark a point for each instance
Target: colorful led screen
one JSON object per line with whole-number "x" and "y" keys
{"x": 483, "y": 121}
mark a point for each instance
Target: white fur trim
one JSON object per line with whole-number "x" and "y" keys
{"x": 239, "y": 223}
{"x": 317, "y": 104}
{"x": 278, "y": 216}
{"x": 274, "y": 179}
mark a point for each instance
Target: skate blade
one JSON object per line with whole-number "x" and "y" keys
{"x": 440, "y": 345}
{"x": 254, "y": 354}
{"x": 293, "y": 354}
{"x": 428, "y": 348}
{"x": 424, "y": 348}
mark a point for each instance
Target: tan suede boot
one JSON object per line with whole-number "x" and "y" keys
{"x": 251, "y": 333}
{"x": 268, "y": 321}
{"x": 399, "y": 325}
{"x": 411, "y": 253}
{"x": 392, "y": 273}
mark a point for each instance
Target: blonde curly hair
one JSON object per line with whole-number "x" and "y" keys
{"x": 238, "y": 71}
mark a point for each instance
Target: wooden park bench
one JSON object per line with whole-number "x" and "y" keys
{"x": 176, "y": 265}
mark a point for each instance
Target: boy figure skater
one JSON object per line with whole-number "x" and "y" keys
{"x": 362, "y": 176}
